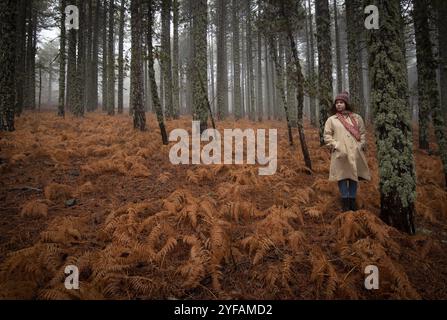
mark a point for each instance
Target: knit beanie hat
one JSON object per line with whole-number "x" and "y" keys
{"x": 344, "y": 96}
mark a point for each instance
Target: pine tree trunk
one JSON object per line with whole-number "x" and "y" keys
{"x": 236, "y": 61}
{"x": 8, "y": 40}
{"x": 31, "y": 47}
{"x": 165, "y": 58}
{"x": 291, "y": 95}
{"x": 62, "y": 59}
{"x": 199, "y": 98}
{"x": 20, "y": 55}
{"x": 267, "y": 82}
{"x": 392, "y": 121}
{"x": 175, "y": 61}
{"x": 71, "y": 69}
{"x": 153, "y": 84}
{"x": 95, "y": 59}
{"x": 442, "y": 39}
{"x": 222, "y": 75}
{"x": 324, "y": 45}
{"x": 250, "y": 76}
{"x": 50, "y": 83}
{"x": 139, "y": 117}
{"x": 259, "y": 97}
{"x": 89, "y": 86}
{"x": 337, "y": 49}
{"x": 121, "y": 58}
{"x": 40, "y": 88}
{"x": 280, "y": 85}
{"x": 313, "y": 78}
{"x": 354, "y": 68}
{"x": 300, "y": 87}
{"x": 104, "y": 57}
{"x": 243, "y": 66}
{"x": 111, "y": 61}
{"x": 79, "y": 74}
{"x": 427, "y": 83}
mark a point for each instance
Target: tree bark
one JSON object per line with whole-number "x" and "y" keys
{"x": 111, "y": 61}
{"x": 392, "y": 121}
{"x": 222, "y": 75}
{"x": 8, "y": 25}
{"x": 236, "y": 61}
{"x": 337, "y": 49}
{"x": 313, "y": 92}
{"x": 62, "y": 59}
{"x": 199, "y": 72}
{"x": 165, "y": 57}
{"x": 139, "y": 117}
{"x": 324, "y": 45}
{"x": 175, "y": 61}
{"x": 153, "y": 84}
{"x": 427, "y": 83}
{"x": 121, "y": 58}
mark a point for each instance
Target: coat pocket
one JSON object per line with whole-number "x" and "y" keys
{"x": 340, "y": 150}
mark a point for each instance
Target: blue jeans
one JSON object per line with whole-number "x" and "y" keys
{"x": 348, "y": 188}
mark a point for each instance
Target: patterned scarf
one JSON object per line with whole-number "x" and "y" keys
{"x": 354, "y": 128}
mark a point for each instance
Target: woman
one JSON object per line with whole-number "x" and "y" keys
{"x": 344, "y": 133}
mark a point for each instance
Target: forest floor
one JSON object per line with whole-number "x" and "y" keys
{"x": 142, "y": 228}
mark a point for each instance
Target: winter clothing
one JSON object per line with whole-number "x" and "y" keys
{"x": 345, "y": 204}
{"x": 347, "y": 160}
{"x": 354, "y": 128}
{"x": 344, "y": 96}
{"x": 348, "y": 188}
{"x": 352, "y": 204}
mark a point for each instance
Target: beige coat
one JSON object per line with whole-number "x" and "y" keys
{"x": 347, "y": 159}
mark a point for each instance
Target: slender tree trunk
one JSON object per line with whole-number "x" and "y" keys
{"x": 243, "y": 67}
{"x": 50, "y": 83}
{"x": 62, "y": 59}
{"x": 40, "y": 88}
{"x": 79, "y": 74}
{"x": 236, "y": 61}
{"x": 20, "y": 55}
{"x": 104, "y": 57}
{"x": 260, "y": 100}
{"x": 222, "y": 74}
{"x": 300, "y": 87}
{"x": 165, "y": 58}
{"x": 337, "y": 48}
{"x": 250, "y": 76}
{"x": 267, "y": 82}
{"x": 121, "y": 58}
{"x": 71, "y": 69}
{"x": 313, "y": 78}
{"x": 427, "y": 84}
{"x": 442, "y": 39}
{"x": 199, "y": 98}
{"x": 280, "y": 85}
{"x": 324, "y": 61}
{"x": 8, "y": 40}
{"x": 95, "y": 59}
{"x": 111, "y": 61}
{"x": 354, "y": 68}
{"x": 139, "y": 117}
{"x": 175, "y": 60}
{"x": 153, "y": 84}
{"x": 89, "y": 81}
{"x": 389, "y": 103}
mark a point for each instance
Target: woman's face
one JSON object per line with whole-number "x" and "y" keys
{"x": 340, "y": 105}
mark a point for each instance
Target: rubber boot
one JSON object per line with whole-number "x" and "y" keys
{"x": 345, "y": 204}
{"x": 352, "y": 204}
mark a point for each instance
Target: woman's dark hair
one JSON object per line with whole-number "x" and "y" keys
{"x": 334, "y": 109}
